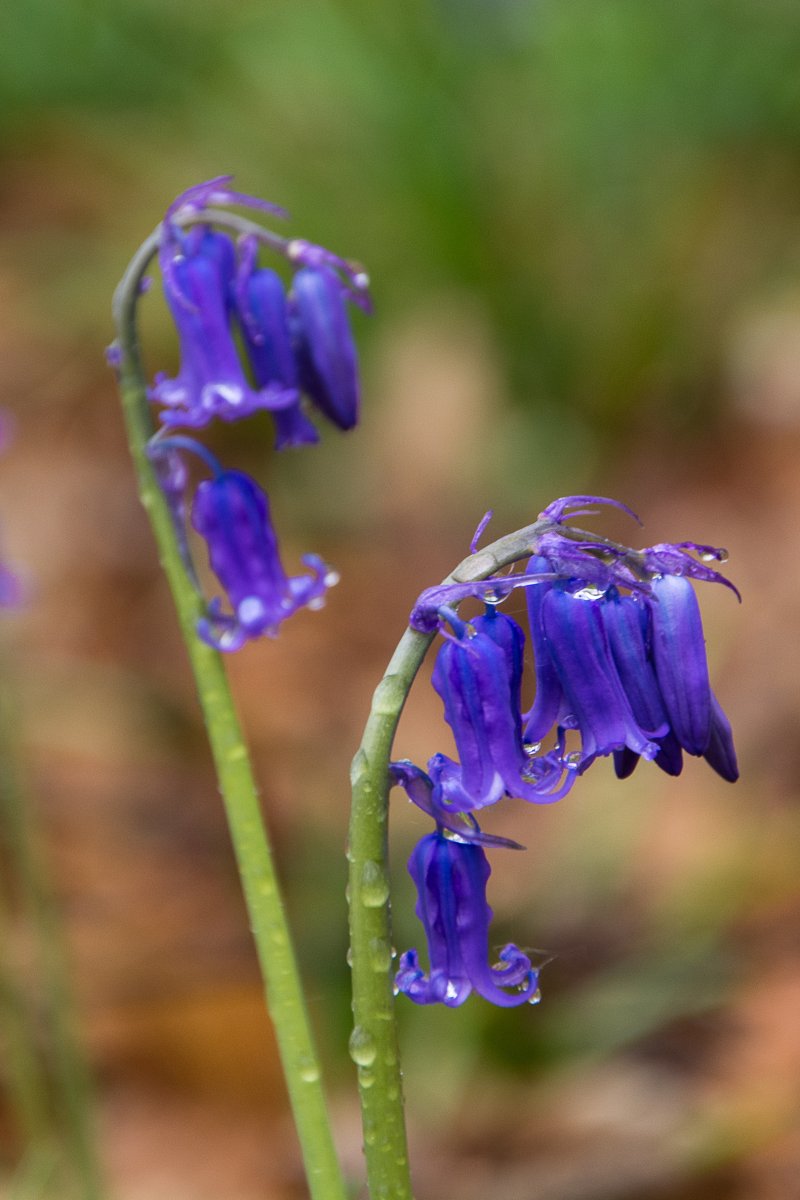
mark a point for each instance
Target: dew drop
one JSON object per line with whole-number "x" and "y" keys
{"x": 361, "y": 1047}
{"x": 380, "y": 954}
{"x": 388, "y": 696}
{"x": 309, "y": 1072}
{"x": 366, "y": 1078}
{"x": 374, "y": 885}
{"x": 536, "y": 997}
{"x": 349, "y": 956}
{"x": 531, "y": 748}
{"x": 359, "y": 768}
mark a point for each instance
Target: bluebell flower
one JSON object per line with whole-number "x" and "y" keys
{"x": 263, "y": 313}
{"x": 198, "y": 269}
{"x": 618, "y": 649}
{"x": 306, "y": 343}
{"x": 232, "y": 514}
{"x": 450, "y": 877}
{"x": 673, "y": 646}
{"x": 478, "y": 674}
{"x": 578, "y": 685}
{"x": 324, "y": 344}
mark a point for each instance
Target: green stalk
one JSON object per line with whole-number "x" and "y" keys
{"x": 284, "y": 996}
{"x": 374, "y": 1043}
{"x": 70, "y": 1069}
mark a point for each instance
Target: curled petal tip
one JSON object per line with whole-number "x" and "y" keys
{"x": 196, "y": 199}
{"x": 481, "y": 526}
{"x": 572, "y": 506}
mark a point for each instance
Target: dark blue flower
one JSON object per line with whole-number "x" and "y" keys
{"x": 264, "y": 315}
{"x": 673, "y": 645}
{"x": 198, "y": 271}
{"x": 324, "y": 343}
{"x": 578, "y": 684}
{"x": 478, "y": 674}
{"x": 232, "y": 513}
{"x": 450, "y": 876}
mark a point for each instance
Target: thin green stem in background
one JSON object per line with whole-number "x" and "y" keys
{"x": 284, "y": 996}
{"x": 70, "y": 1071}
{"x": 374, "y": 1045}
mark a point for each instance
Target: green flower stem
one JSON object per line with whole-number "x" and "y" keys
{"x": 374, "y": 1044}
{"x": 284, "y": 996}
{"x": 71, "y": 1077}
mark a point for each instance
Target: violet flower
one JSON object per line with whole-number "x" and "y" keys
{"x": 577, "y": 680}
{"x": 324, "y": 344}
{"x": 198, "y": 269}
{"x": 263, "y": 313}
{"x": 450, "y": 876}
{"x": 478, "y": 674}
{"x": 674, "y": 646}
{"x": 232, "y": 513}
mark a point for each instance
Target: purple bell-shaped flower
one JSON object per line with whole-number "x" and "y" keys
{"x": 232, "y": 513}
{"x": 324, "y": 344}
{"x": 264, "y": 318}
{"x": 578, "y": 682}
{"x": 198, "y": 271}
{"x": 478, "y": 673}
{"x": 450, "y": 877}
{"x": 673, "y": 641}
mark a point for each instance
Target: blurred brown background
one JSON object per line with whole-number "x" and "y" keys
{"x": 582, "y": 223}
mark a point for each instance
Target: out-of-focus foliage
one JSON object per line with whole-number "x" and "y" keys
{"x": 610, "y": 179}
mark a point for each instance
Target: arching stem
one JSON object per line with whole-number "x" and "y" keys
{"x": 374, "y": 1044}
{"x": 284, "y": 996}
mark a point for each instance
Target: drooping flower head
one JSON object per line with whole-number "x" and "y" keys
{"x": 450, "y": 877}
{"x": 676, "y": 663}
{"x": 618, "y": 646}
{"x": 231, "y": 513}
{"x": 263, "y": 314}
{"x": 198, "y": 270}
{"x": 300, "y": 343}
{"x": 578, "y": 685}
{"x": 478, "y": 674}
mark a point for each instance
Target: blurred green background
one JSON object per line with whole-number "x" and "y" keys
{"x": 582, "y": 223}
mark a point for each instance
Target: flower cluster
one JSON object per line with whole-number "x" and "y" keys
{"x": 248, "y": 343}
{"x": 620, "y": 671}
